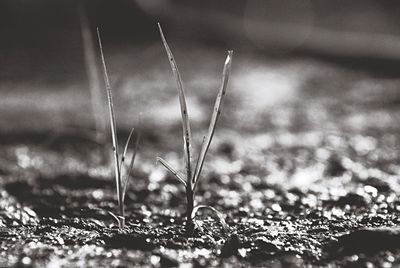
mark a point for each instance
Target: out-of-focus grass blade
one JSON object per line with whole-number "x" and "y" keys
{"x": 171, "y": 169}
{"x": 92, "y": 70}
{"x": 182, "y": 100}
{"x": 113, "y": 124}
{"x": 214, "y": 119}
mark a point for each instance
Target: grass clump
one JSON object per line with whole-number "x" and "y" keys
{"x": 121, "y": 178}
{"x": 191, "y": 179}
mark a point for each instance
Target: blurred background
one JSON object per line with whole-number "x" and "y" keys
{"x": 42, "y": 36}
{"x": 291, "y": 59}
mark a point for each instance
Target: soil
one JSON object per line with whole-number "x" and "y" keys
{"x": 304, "y": 166}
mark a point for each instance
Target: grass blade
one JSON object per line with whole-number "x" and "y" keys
{"x": 214, "y": 119}
{"x": 113, "y": 126}
{"x": 182, "y": 100}
{"x": 171, "y": 169}
{"x": 128, "y": 140}
{"x": 219, "y": 215}
{"x": 198, "y": 159}
{"x": 135, "y": 150}
{"x": 119, "y": 219}
{"x": 126, "y": 180}
{"x": 92, "y": 70}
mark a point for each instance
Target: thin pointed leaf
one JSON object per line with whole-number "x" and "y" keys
{"x": 172, "y": 170}
{"x": 130, "y": 168}
{"x": 214, "y": 118}
{"x": 126, "y": 147}
{"x": 219, "y": 215}
{"x": 113, "y": 126}
{"x": 128, "y": 171}
{"x": 182, "y": 100}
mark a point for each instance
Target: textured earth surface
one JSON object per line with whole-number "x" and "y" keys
{"x": 304, "y": 166}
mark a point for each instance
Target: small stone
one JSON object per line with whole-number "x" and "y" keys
{"x": 166, "y": 261}
{"x": 264, "y": 244}
{"x": 26, "y": 260}
{"x": 155, "y": 260}
{"x": 231, "y": 246}
{"x": 351, "y": 199}
{"x": 276, "y": 207}
{"x": 334, "y": 167}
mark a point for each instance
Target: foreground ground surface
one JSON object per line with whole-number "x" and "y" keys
{"x": 304, "y": 166}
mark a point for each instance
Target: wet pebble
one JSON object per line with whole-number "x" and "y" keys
{"x": 130, "y": 241}
{"x": 166, "y": 261}
{"x": 352, "y": 199}
{"x": 378, "y": 184}
{"x": 334, "y": 167}
{"x": 262, "y": 243}
{"x": 231, "y": 246}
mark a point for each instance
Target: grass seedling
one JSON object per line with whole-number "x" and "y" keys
{"x": 191, "y": 179}
{"x": 121, "y": 180}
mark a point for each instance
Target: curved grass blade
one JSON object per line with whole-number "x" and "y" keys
{"x": 120, "y": 219}
{"x": 130, "y": 168}
{"x": 113, "y": 126}
{"x": 123, "y": 157}
{"x": 172, "y": 170}
{"x": 182, "y": 100}
{"x": 219, "y": 215}
{"x": 126, "y": 147}
{"x": 214, "y": 119}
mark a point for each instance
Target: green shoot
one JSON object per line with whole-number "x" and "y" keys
{"x": 192, "y": 176}
{"x": 182, "y": 101}
{"x": 122, "y": 181}
{"x": 214, "y": 118}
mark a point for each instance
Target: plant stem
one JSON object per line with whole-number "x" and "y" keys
{"x": 121, "y": 222}
{"x": 189, "y": 209}
{"x": 122, "y": 210}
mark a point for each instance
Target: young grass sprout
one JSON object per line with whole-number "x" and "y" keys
{"x": 121, "y": 178}
{"x": 191, "y": 180}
